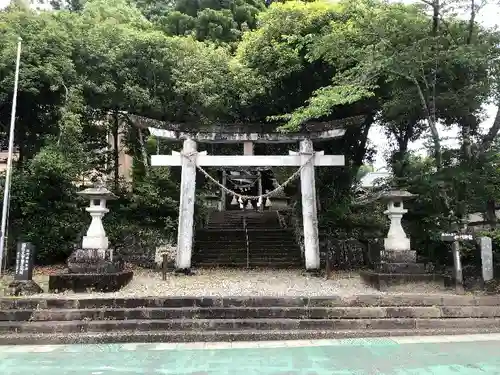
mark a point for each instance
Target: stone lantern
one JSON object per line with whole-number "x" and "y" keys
{"x": 396, "y": 239}
{"x": 92, "y": 267}
{"x": 398, "y": 262}
{"x": 96, "y": 236}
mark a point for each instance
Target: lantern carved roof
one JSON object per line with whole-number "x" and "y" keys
{"x": 97, "y": 192}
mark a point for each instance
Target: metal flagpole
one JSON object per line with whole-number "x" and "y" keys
{"x": 8, "y": 174}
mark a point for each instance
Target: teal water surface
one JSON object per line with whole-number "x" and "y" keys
{"x": 364, "y": 356}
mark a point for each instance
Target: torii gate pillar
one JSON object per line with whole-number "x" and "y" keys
{"x": 186, "y": 207}
{"x": 309, "y": 210}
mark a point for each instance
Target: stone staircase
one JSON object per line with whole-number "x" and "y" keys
{"x": 184, "y": 319}
{"x": 246, "y": 239}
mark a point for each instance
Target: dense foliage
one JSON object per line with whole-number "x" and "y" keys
{"x": 414, "y": 69}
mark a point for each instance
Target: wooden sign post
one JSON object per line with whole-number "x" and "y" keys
{"x": 455, "y": 238}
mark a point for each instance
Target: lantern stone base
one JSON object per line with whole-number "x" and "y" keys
{"x": 95, "y": 242}
{"x": 383, "y": 281}
{"x": 84, "y": 282}
{"x": 398, "y": 267}
{"x": 23, "y": 288}
{"x": 92, "y": 261}
{"x": 398, "y": 256}
{"x": 91, "y": 270}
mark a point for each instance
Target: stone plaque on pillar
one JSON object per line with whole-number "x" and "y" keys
{"x": 486, "y": 247}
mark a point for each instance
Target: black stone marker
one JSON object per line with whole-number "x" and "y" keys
{"x": 25, "y": 259}
{"x": 23, "y": 283}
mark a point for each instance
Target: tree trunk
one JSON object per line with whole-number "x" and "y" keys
{"x": 491, "y": 215}
{"x": 472, "y": 20}
{"x": 492, "y": 133}
{"x": 399, "y": 161}
{"x": 116, "y": 150}
{"x": 431, "y": 120}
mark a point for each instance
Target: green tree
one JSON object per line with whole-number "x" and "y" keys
{"x": 47, "y": 71}
{"x": 219, "y": 22}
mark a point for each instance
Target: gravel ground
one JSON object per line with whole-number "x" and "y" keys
{"x": 225, "y": 282}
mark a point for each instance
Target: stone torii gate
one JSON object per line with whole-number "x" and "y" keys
{"x": 189, "y": 159}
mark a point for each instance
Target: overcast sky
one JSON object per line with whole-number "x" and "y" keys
{"x": 489, "y": 16}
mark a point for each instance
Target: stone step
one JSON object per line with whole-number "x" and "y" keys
{"x": 274, "y": 245}
{"x": 248, "y": 223}
{"x": 262, "y": 224}
{"x": 243, "y": 254}
{"x": 261, "y": 237}
{"x": 221, "y": 237}
{"x": 266, "y": 230}
{"x": 251, "y": 235}
{"x": 253, "y": 261}
{"x": 76, "y": 326}
{"x": 251, "y": 313}
{"x": 252, "y": 264}
{"x": 248, "y": 220}
{"x": 238, "y": 220}
{"x": 229, "y": 226}
{"x": 257, "y": 246}
{"x": 383, "y": 300}
{"x": 226, "y": 221}
{"x": 221, "y": 244}
{"x": 221, "y": 336}
{"x": 245, "y": 213}
{"x": 251, "y": 238}
{"x": 258, "y": 237}
{"x": 221, "y": 241}
{"x": 271, "y": 236}
{"x": 257, "y": 225}
{"x": 253, "y": 245}
{"x": 214, "y": 253}
{"x": 210, "y": 252}
{"x": 254, "y": 249}
{"x": 236, "y": 226}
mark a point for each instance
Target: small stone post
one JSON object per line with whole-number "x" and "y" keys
{"x": 486, "y": 246}
{"x": 223, "y": 192}
{"x": 186, "y": 207}
{"x": 457, "y": 266}
{"x": 261, "y": 205}
{"x": 309, "y": 213}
